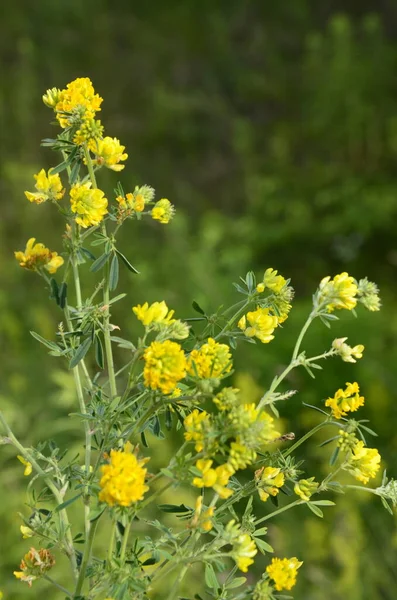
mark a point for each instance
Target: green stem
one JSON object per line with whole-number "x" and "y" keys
{"x": 125, "y": 540}
{"x": 302, "y": 334}
{"x": 279, "y": 511}
{"x": 69, "y": 548}
{"x": 276, "y": 382}
{"x": 57, "y": 585}
{"x": 305, "y": 437}
{"x": 86, "y": 558}
{"x": 174, "y": 590}
{"x": 362, "y": 489}
{"x": 111, "y": 541}
{"x": 231, "y": 321}
{"x": 155, "y": 495}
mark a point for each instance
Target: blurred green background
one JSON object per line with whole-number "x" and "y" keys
{"x": 273, "y": 129}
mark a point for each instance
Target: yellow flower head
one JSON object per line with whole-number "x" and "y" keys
{"x": 37, "y": 256}
{"x": 260, "y": 324}
{"x": 26, "y": 532}
{"x": 363, "y": 462}
{"x": 51, "y": 97}
{"x": 26, "y": 464}
{"x": 345, "y": 401}
{"x": 109, "y": 152}
{"x": 305, "y": 488}
{"x": 195, "y": 425}
{"x": 368, "y": 294}
{"x": 49, "y": 187}
{"x": 136, "y": 201}
{"x": 163, "y": 211}
{"x": 211, "y": 360}
{"x": 240, "y": 457}
{"x": 339, "y": 292}
{"x": 217, "y": 478}
{"x": 269, "y": 481}
{"x": 89, "y": 132}
{"x": 156, "y": 313}
{"x": 165, "y": 365}
{"x": 346, "y": 352}
{"x": 123, "y": 479}
{"x": 272, "y": 281}
{"x": 34, "y": 565}
{"x": 77, "y": 102}
{"x": 89, "y": 205}
{"x": 243, "y": 551}
{"x": 283, "y": 572}
{"x": 254, "y": 427}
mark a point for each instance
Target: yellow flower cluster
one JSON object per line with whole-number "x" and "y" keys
{"x": 37, "y": 256}
{"x": 345, "y": 401}
{"x": 163, "y": 211}
{"x": 26, "y": 464}
{"x": 240, "y": 456}
{"x": 244, "y": 548}
{"x": 260, "y": 324}
{"x": 271, "y": 281}
{"x": 269, "y": 480}
{"x": 254, "y": 427}
{"x": 338, "y": 293}
{"x": 89, "y": 204}
{"x": 201, "y": 519}
{"x": 157, "y": 313}
{"x": 211, "y": 360}
{"x": 34, "y": 565}
{"x": 135, "y": 202}
{"x": 305, "y": 488}
{"x": 368, "y": 294}
{"x": 346, "y": 352}
{"x": 217, "y": 478}
{"x": 74, "y": 104}
{"x": 49, "y": 187}
{"x": 283, "y": 572}
{"x": 165, "y": 365}
{"x": 195, "y": 424}
{"x": 123, "y": 479}
{"x": 109, "y": 153}
{"x": 363, "y": 463}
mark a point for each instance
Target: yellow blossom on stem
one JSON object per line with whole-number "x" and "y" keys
{"x": 163, "y": 211}
{"x": 283, "y": 572}
{"x": 49, "y": 187}
{"x": 305, "y": 488}
{"x": 363, "y": 463}
{"x": 269, "y": 480}
{"x": 90, "y": 131}
{"x": 78, "y": 101}
{"x": 211, "y": 360}
{"x": 195, "y": 425}
{"x": 34, "y": 565}
{"x": 109, "y": 153}
{"x": 165, "y": 365}
{"x": 259, "y": 324}
{"x": 123, "y": 479}
{"x": 26, "y": 464}
{"x": 37, "y": 256}
{"x": 339, "y": 292}
{"x": 157, "y": 313}
{"x": 240, "y": 457}
{"x": 346, "y": 352}
{"x": 244, "y": 549}
{"x": 217, "y": 478}
{"x": 272, "y": 281}
{"x": 26, "y": 532}
{"x": 89, "y": 204}
{"x": 345, "y": 401}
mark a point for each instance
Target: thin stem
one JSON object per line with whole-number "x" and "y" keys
{"x": 69, "y": 548}
{"x": 174, "y": 590}
{"x": 362, "y": 489}
{"x": 125, "y": 540}
{"x": 231, "y": 321}
{"x": 302, "y": 334}
{"x": 279, "y": 511}
{"x": 155, "y": 495}
{"x": 111, "y": 541}
{"x": 305, "y": 437}
{"x": 57, "y": 585}
{"x": 86, "y": 558}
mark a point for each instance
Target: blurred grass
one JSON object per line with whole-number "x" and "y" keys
{"x": 273, "y": 128}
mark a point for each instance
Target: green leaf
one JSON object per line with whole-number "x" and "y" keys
{"x": 168, "y": 419}
{"x": 117, "y": 298}
{"x": 210, "y": 577}
{"x": 96, "y": 513}
{"x": 88, "y": 253}
{"x": 261, "y": 531}
{"x": 63, "y": 290}
{"x": 317, "y": 511}
{"x": 67, "y": 502}
{"x": 237, "y": 582}
{"x": 61, "y": 167}
{"x": 80, "y": 352}
{"x": 322, "y": 502}
{"x": 174, "y": 508}
{"x": 263, "y": 546}
{"x": 54, "y": 290}
{"x": 74, "y": 173}
{"x": 50, "y": 345}
{"x": 100, "y": 262}
{"x": 387, "y": 506}
{"x": 114, "y": 273}
{"x": 127, "y": 262}
{"x": 197, "y": 308}
{"x": 334, "y": 457}
{"x": 144, "y": 440}
{"x": 99, "y": 352}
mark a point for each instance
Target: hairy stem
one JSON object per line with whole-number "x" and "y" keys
{"x": 279, "y": 511}
{"x": 86, "y": 558}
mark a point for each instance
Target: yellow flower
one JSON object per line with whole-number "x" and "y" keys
{"x": 89, "y": 205}
{"x": 240, "y": 456}
{"x": 260, "y": 324}
{"x": 244, "y": 549}
{"x": 77, "y": 102}
{"x": 284, "y": 572}
{"x": 269, "y": 481}
{"x": 195, "y": 425}
{"x": 26, "y": 464}
{"x": 90, "y": 132}
{"x": 109, "y": 152}
{"x": 155, "y": 313}
{"x": 305, "y": 488}
{"x": 165, "y": 365}
{"x": 34, "y": 565}
{"x": 344, "y": 401}
{"x": 163, "y": 211}
{"x": 346, "y": 352}
{"x": 51, "y": 97}
{"x": 363, "y": 462}
{"x": 26, "y": 532}
{"x": 254, "y": 427}
{"x": 123, "y": 479}
{"x": 273, "y": 281}
{"x": 49, "y": 187}
{"x": 211, "y": 360}
{"x": 37, "y": 256}
{"x": 217, "y": 478}
{"x": 339, "y": 292}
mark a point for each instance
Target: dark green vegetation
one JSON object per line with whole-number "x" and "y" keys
{"x": 273, "y": 129}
